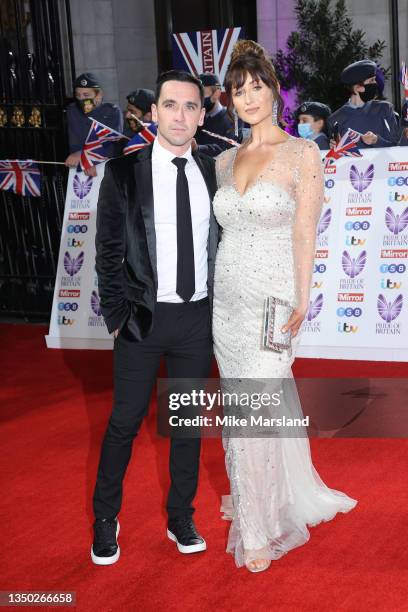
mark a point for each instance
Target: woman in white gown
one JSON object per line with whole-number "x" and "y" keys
{"x": 269, "y": 198}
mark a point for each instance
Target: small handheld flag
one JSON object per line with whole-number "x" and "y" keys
{"x": 20, "y": 177}
{"x": 346, "y": 147}
{"x": 94, "y": 150}
{"x": 404, "y": 81}
{"x": 230, "y": 141}
{"x": 404, "y": 78}
{"x": 146, "y": 136}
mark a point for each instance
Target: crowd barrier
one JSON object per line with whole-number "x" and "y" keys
{"x": 358, "y": 302}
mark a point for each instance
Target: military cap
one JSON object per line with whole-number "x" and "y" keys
{"x": 316, "y": 109}
{"x": 141, "y": 98}
{"x": 209, "y": 80}
{"x": 87, "y": 79}
{"x": 358, "y": 72}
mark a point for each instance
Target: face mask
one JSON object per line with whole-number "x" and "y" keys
{"x": 371, "y": 90}
{"x": 305, "y": 130}
{"x": 87, "y": 105}
{"x": 208, "y": 104}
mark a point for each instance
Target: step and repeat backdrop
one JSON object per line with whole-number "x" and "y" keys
{"x": 359, "y": 300}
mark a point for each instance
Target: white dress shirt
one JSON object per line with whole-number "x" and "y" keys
{"x": 165, "y": 219}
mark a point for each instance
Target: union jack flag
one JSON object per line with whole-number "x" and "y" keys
{"x": 346, "y": 147}
{"x": 94, "y": 151}
{"x": 404, "y": 78}
{"x": 21, "y": 177}
{"x": 141, "y": 139}
{"x": 207, "y": 51}
{"x": 404, "y": 81}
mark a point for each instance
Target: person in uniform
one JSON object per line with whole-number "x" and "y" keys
{"x": 312, "y": 123}
{"x": 89, "y": 104}
{"x": 139, "y": 104}
{"x": 375, "y": 119}
{"x": 380, "y": 80}
{"x": 403, "y": 141}
{"x": 216, "y": 119}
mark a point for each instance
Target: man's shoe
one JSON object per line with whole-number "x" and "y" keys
{"x": 182, "y": 531}
{"x": 105, "y": 548}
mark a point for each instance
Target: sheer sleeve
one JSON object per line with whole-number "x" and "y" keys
{"x": 223, "y": 167}
{"x": 309, "y": 191}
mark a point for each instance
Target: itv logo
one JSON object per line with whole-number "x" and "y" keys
{"x": 346, "y": 328}
{"x": 353, "y": 241}
{"x": 63, "y": 320}
{"x": 394, "y": 196}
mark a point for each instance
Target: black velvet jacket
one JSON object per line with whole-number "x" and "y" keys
{"x": 126, "y": 241}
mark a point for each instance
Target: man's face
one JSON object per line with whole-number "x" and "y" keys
{"x": 178, "y": 112}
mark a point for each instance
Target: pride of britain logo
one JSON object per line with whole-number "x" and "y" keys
{"x": 389, "y": 311}
{"x": 352, "y": 266}
{"x": 360, "y": 181}
{"x": 315, "y": 308}
{"x": 95, "y": 319}
{"x": 322, "y": 226}
{"x": 81, "y": 188}
{"x": 72, "y": 266}
{"x": 396, "y": 223}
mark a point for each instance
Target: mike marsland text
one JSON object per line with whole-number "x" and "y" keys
{"x": 254, "y": 420}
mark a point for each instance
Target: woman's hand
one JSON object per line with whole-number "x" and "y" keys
{"x": 295, "y": 321}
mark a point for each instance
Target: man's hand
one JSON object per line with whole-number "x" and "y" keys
{"x": 116, "y": 333}
{"x": 73, "y": 159}
{"x": 332, "y": 143}
{"x": 295, "y": 321}
{"x": 90, "y": 171}
{"x": 369, "y": 138}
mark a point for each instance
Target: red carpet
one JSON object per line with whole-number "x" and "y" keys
{"x": 55, "y": 405}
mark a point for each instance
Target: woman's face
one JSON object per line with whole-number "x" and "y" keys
{"x": 253, "y": 101}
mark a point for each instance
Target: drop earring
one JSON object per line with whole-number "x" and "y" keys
{"x": 235, "y": 123}
{"x": 275, "y": 113}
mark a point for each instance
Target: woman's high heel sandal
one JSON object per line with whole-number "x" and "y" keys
{"x": 258, "y": 565}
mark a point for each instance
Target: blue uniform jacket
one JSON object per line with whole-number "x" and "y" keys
{"x": 376, "y": 116}
{"x": 79, "y": 124}
{"x": 322, "y": 141}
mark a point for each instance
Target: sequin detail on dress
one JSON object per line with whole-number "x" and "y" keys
{"x": 267, "y": 249}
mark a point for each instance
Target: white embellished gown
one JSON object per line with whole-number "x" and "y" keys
{"x": 267, "y": 249}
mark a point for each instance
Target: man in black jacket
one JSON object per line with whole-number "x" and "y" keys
{"x": 155, "y": 248}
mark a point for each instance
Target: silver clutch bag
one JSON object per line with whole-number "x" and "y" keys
{"x": 277, "y": 313}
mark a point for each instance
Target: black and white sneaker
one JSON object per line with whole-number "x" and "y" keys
{"x": 182, "y": 531}
{"x": 105, "y": 548}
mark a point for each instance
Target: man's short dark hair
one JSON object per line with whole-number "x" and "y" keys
{"x": 181, "y": 76}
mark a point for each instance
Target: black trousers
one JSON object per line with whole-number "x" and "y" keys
{"x": 182, "y": 334}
